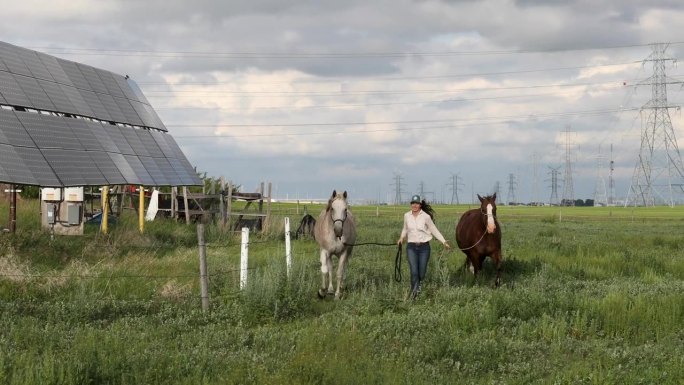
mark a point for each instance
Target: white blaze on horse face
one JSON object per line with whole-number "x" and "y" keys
{"x": 339, "y": 215}
{"x": 490, "y": 219}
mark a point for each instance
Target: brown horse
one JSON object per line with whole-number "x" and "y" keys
{"x": 478, "y": 235}
{"x": 335, "y": 232}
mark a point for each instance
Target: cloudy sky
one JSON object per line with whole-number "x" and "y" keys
{"x": 361, "y": 96}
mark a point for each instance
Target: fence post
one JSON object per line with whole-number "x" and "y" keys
{"x": 243, "y": 257}
{"x": 288, "y": 249}
{"x": 204, "y": 281}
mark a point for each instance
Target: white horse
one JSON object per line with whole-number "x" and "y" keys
{"x": 335, "y": 232}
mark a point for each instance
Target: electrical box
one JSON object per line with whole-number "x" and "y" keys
{"x": 51, "y": 194}
{"x": 51, "y": 212}
{"x": 73, "y": 194}
{"x": 73, "y": 214}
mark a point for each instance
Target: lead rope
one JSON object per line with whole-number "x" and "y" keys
{"x": 397, "y": 265}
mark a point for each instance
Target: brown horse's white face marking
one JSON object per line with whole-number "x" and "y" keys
{"x": 491, "y": 226}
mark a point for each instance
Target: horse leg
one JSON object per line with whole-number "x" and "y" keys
{"x": 497, "y": 260}
{"x": 325, "y": 273}
{"x": 341, "y": 272}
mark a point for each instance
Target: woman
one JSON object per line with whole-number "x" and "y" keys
{"x": 420, "y": 228}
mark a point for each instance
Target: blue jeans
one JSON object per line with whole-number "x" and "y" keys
{"x": 418, "y": 257}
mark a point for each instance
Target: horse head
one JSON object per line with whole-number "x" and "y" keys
{"x": 488, "y": 210}
{"x": 337, "y": 206}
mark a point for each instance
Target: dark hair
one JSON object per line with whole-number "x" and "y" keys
{"x": 428, "y": 209}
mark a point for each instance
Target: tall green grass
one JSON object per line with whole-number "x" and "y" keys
{"x": 585, "y": 300}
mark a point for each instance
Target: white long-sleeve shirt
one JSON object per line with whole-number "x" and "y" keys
{"x": 420, "y": 228}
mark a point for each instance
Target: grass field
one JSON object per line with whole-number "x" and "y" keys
{"x": 589, "y": 296}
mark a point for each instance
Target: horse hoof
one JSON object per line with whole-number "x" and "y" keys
{"x": 321, "y": 293}
{"x": 497, "y": 283}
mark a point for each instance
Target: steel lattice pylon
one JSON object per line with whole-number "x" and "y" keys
{"x": 658, "y": 175}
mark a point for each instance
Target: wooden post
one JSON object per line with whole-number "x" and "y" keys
{"x": 174, "y": 201}
{"x": 141, "y": 210}
{"x": 204, "y": 280}
{"x": 13, "y": 209}
{"x": 104, "y": 220}
{"x": 222, "y": 202}
{"x": 229, "y": 203}
{"x": 261, "y": 196}
{"x": 244, "y": 256}
{"x": 267, "y": 218}
{"x": 288, "y": 249}
{"x": 185, "y": 202}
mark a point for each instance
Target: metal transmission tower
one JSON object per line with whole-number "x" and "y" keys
{"x": 611, "y": 181}
{"x": 568, "y": 186}
{"x": 554, "y": 185}
{"x": 397, "y": 188}
{"x": 510, "y": 197}
{"x": 535, "y": 177}
{"x": 423, "y": 193}
{"x": 658, "y": 175}
{"x": 454, "y": 186}
{"x": 600, "y": 195}
{"x": 497, "y": 188}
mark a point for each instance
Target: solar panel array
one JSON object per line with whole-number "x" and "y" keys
{"x": 64, "y": 123}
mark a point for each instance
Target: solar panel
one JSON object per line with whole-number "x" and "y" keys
{"x": 92, "y": 78}
{"x": 107, "y": 168}
{"x": 10, "y": 55}
{"x": 56, "y": 71}
{"x": 118, "y": 139}
{"x": 153, "y": 169}
{"x": 37, "y": 97}
{"x": 14, "y": 168}
{"x": 168, "y": 171}
{"x": 13, "y": 130}
{"x": 112, "y": 108}
{"x": 103, "y": 137}
{"x": 125, "y": 88}
{"x": 85, "y": 134}
{"x": 35, "y": 65}
{"x": 82, "y": 108}
{"x": 57, "y": 97}
{"x": 159, "y": 138}
{"x": 48, "y": 131}
{"x": 99, "y": 111}
{"x": 10, "y": 90}
{"x": 149, "y": 143}
{"x": 3, "y": 67}
{"x": 128, "y": 111}
{"x": 140, "y": 170}
{"x": 135, "y": 143}
{"x": 142, "y": 113}
{"x": 39, "y": 167}
{"x": 125, "y": 169}
{"x": 74, "y": 74}
{"x": 110, "y": 83}
{"x": 181, "y": 171}
{"x": 70, "y": 125}
{"x": 63, "y": 164}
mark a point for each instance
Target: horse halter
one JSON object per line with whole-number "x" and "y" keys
{"x": 484, "y": 213}
{"x": 340, "y": 220}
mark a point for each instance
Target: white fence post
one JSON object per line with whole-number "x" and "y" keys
{"x": 288, "y": 249}
{"x": 243, "y": 257}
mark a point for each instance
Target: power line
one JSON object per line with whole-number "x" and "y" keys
{"x": 305, "y": 55}
{"x": 402, "y": 78}
{"x": 151, "y": 94}
{"x": 398, "y": 122}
